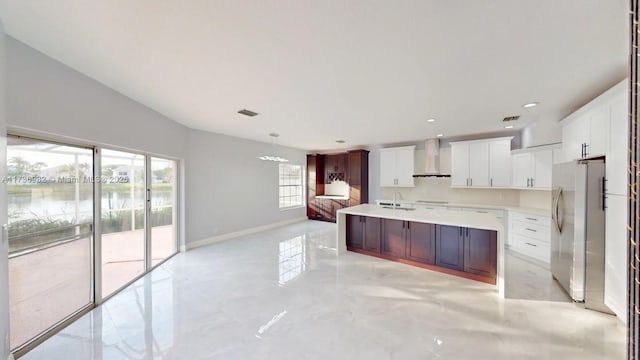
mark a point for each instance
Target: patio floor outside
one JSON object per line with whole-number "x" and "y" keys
{"x": 48, "y": 285}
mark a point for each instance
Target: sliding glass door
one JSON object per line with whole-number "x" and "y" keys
{"x": 50, "y": 203}
{"x": 52, "y": 194}
{"x": 123, "y": 232}
{"x": 163, "y": 209}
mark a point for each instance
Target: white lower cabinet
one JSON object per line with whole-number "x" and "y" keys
{"x": 530, "y": 234}
{"x": 615, "y": 268}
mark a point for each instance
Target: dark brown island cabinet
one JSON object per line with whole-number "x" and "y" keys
{"x": 351, "y": 167}
{"x": 364, "y": 232}
{"x": 461, "y": 251}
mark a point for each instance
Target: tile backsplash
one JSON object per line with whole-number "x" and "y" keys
{"x": 439, "y": 189}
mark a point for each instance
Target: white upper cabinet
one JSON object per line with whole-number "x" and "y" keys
{"x": 521, "y": 170}
{"x": 618, "y": 151}
{"x": 481, "y": 163}
{"x": 397, "y": 166}
{"x": 599, "y": 125}
{"x": 499, "y": 160}
{"x": 387, "y": 168}
{"x": 572, "y": 140}
{"x": 542, "y": 168}
{"x": 532, "y": 169}
{"x": 459, "y": 164}
{"x": 586, "y": 132}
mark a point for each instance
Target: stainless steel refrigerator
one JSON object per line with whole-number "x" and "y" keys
{"x": 578, "y": 230}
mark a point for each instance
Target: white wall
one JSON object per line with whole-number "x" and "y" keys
{"x": 375, "y": 191}
{"x": 542, "y": 132}
{"x": 229, "y": 189}
{"x": 46, "y": 96}
{"x": 4, "y": 267}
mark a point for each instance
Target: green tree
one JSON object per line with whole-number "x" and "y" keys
{"x": 19, "y": 166}
{"x": 84, "y": 169}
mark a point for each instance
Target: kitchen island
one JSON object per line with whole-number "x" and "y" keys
{"x": 465, "y": 244}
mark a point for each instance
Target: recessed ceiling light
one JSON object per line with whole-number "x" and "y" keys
{"x": 431, "y": 120}
{"x": 529, "y": 105}
{"x": 247, "y": 112}
{"x": 340, "y": 141}
{"x": 440, "y": 135}
{"x": 509, "y": 127}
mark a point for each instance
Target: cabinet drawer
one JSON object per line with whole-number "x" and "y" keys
{"x": 531, "y": 219}
{"x": 536, "y": 231}
{"x": 497, "y": 213}
{"x": 429, "y": 207}
{"x": 531, "y": 247}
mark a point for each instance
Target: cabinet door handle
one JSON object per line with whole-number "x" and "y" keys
{"x": 491, "y": 182}
{"x": 586, "y": 147}
{"x": 604, "y": 193}
{"x": 532, "y": 182}
{"x": 460, "y": 231}
{"x": 408, "y": 225}
{"x": 528, "y": 243}
{"x": 471, "y": 181}
{"x": 530, "y": 218}
{"x": 534, "y": 230}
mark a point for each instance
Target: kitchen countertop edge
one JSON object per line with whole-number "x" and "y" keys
{"x": 535, "y": 211}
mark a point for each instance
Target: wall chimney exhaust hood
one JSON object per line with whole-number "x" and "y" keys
{"x": 431, "y": 159}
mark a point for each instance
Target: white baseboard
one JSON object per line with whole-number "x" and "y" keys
{"x": 228, "y": 236}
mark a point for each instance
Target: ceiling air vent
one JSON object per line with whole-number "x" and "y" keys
{"x": 511, "y": 118}
{"x": 247, "y": 112}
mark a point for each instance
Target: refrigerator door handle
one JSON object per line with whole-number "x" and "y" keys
{"x": 556, "y": 213}
{"x": 553, "y": 207}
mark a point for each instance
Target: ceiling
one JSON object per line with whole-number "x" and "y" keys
{"x": 365, "y": 71}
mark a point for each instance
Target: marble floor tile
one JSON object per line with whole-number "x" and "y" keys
{"x": 284, "y": 294}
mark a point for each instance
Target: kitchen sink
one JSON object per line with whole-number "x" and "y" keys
{"x": 398, "y": 208}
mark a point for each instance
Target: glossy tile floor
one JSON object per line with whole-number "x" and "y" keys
{"x": 284, "y": 294}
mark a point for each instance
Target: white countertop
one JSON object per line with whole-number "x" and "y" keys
{"x": 440, "y": 216}
{"x": 533, "y": 211}
{"x": 334, "y": 197}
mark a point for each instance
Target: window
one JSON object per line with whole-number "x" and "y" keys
{"x": 290, "y": 186}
